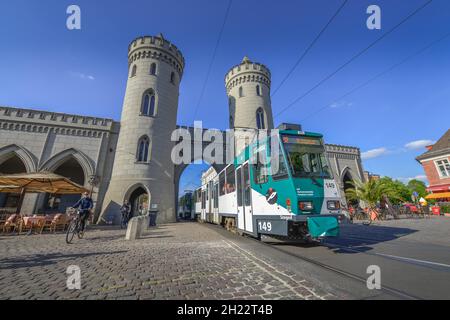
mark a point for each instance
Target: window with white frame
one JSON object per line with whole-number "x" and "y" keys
{"x": 443, "y": 167}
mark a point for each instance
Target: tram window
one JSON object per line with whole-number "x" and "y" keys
{"x": 203, "y": 200}
{"x": 230, "y": 185}
{"x": 239, "y": 187}
{"x": 222, "y": 183}
{"x": 307, "y": 161}
{"x": 211, "y": 189}
{"x": 247, "y": 187}
{"x": 282, "y": 172}
{"x": 259, "y": 173}
{"x": 216, "y": 196}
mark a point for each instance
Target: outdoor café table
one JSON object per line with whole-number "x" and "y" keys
{"x": 33, "y": 222}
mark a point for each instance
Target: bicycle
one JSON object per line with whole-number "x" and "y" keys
{"x": 362, "y": 215}
{"x": 348, "y": 214}
{"x": 74, "y": 228}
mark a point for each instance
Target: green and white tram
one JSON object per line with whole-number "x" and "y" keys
{"x": 300, "y": 200}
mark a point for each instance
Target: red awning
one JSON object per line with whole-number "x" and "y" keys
{"x": 439, "y": 188}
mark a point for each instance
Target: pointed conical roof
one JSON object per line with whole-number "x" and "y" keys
{"x": 246, "y": 60}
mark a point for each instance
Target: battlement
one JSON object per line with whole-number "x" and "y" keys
{"x": 336, "y": 148}
{"x": 156, "y": 47}
{"x": 55, "y": 118}
{"x": 247, "y": 71}
{"x": 247, "y": 66}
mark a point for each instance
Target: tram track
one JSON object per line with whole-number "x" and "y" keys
{"x": 341, "y": 272}
{"x": 294, "y": 251}
{"x": 349, "y": 275}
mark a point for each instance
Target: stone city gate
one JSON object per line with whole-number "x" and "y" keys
{"x": 198, "y": 155}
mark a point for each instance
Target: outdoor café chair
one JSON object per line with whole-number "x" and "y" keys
{"x": 12, "y": 223}
{"x": 47, "y": 224}
{"x": 23, "y": 227}
{"x": 3, "y": 218}
{"x": 60, "y": 221}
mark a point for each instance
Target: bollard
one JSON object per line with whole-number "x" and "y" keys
{"x": 134, "y": 229}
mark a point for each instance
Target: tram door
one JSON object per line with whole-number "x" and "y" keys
{"x": 203, "y": 211}
{"x": 210, "y": 197}
{"x": 245, "y": 221}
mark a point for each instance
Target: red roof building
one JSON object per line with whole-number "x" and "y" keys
{"x": 436, "y": 164}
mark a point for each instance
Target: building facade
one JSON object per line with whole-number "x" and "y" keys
{"x": 79, "y": 147}
{"x": 131, "y": 159}
{"x": 436, "y": 164}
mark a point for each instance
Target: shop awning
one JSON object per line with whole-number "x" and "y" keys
{"x": 39, "y": 182}
{"x": 438, "y": 195}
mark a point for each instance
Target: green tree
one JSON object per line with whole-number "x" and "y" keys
{"x": 418, "y": 186}
{"x": 373, "y": 191}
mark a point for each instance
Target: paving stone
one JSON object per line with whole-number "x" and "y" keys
{"x": 187, "y": 261}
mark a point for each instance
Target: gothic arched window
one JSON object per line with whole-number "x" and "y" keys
{"x": 153, "y": 69}
{"x": 258, "y": 90}
{"x": 260, "y": 118}
{"x": 148, "y": 107}
{"x": 241, "y": 92}
{"x": 143, "y": 149}
{"x": 133, "y": 71}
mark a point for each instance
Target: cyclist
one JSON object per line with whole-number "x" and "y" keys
{"x": 85, "y": 204}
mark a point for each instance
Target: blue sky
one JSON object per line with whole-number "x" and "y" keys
{"x": 45, "y": 66}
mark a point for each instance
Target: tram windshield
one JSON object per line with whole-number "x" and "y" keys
{"x": 306, "y": 156}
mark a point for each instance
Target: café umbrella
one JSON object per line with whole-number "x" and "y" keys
{"x": 38, "y": 182}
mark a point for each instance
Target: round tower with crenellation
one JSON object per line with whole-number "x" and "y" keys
{"x": 248, "y": 91}
{"x": 143, "y": 169}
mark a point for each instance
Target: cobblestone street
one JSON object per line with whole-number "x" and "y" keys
{"x": 176, "y": 261}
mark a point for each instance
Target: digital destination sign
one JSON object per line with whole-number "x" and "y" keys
{"x": 301, "y": 140}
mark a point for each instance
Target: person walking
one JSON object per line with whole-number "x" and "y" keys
{"x": 125, "y": 210}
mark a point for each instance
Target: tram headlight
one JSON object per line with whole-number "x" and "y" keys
{"x": 333, "y": 205}
{"x": 305, "y": 205}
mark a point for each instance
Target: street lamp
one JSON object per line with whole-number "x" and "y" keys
{"x": 93, "y": 182}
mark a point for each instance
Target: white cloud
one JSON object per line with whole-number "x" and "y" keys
{"x": 340, "y": 104}
{"x": 374, "y": 153}
{"x": 421, "y": 177}
{"x": 82, "y": 75}
{"x": 418, "y": 144}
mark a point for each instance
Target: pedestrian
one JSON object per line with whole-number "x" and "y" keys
{"x": 152, "y": 217}
{"x": 424, "y": 204}
{"x": 125, "y": 210}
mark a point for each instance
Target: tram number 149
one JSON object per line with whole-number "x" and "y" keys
{"x": 265, "y": 226}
